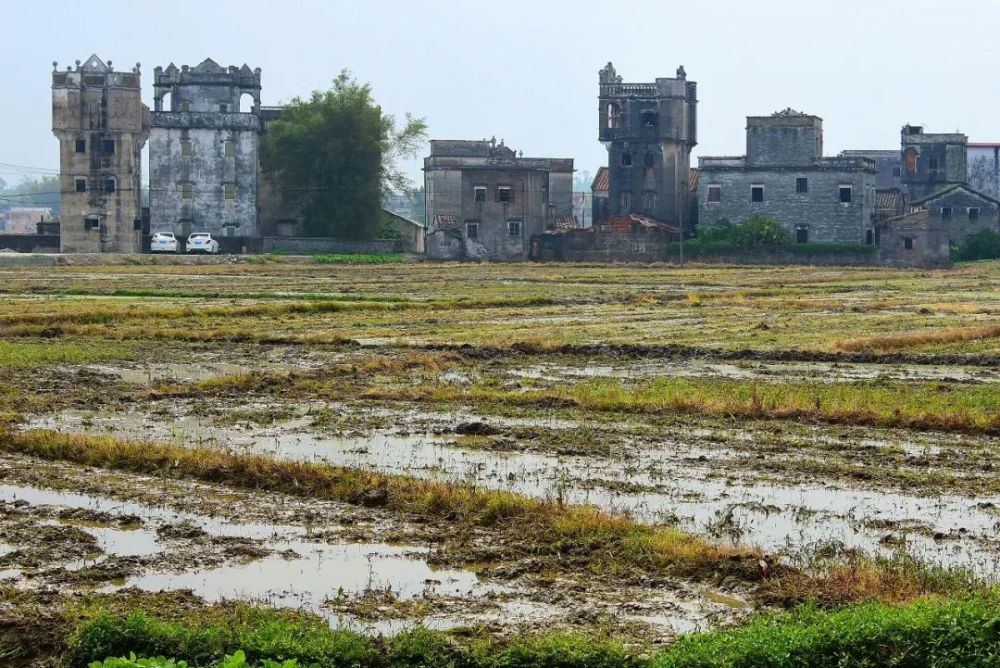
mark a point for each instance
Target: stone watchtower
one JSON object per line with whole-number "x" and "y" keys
{"x": 649, "y": 130}
{"x": 932, "y": 161}
{"x": 101, "y": 123}
{"x": 203, "y": 149}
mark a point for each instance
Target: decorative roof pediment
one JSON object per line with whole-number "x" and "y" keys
{"x": 209, "y": 66}
{"x": 94, "y": 64}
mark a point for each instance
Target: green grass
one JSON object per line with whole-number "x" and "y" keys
{"x": 934, "y": 633}
{"x": 25, "y": 354}
{"x": 359, "y": 258}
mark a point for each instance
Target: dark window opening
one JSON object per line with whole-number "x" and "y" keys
{"x": 846, "y": 194}
{"x": 504, "y": 194}
{"x": 223, "y": 108}
{"x": 801, "y": 185}
{"x": 756, "y": 193}
{"x": 472, "y": 230}
{"x": 81, "y": 185}
{"x": 81, "y": 145}
{"x": 514, "y": 228}
{"x": 895, "y": 172}
{"x": 480, "y": 192}
{"x": 626, "y": 159}
{"x": 932, "y": 163}
{"x": 109, "y": 186}
{"x": 801, "y": 234}
{"x": 946, "y": 213}
{"x": 626, "y": 201}
{"x": 649, "y": 160}
{"x": 908, "y": 243}
{"x": 109, "y": 146}
{"x": 648, "y": 119}
{"x": 911, "y": 161}
{"x": 715, "y": 193}
{"x": 869, "y": 237}
{"x": 973, "y": 213}
{"x": 91, "y": 223}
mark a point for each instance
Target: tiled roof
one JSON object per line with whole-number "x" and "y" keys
{"x": 693, "y": 177}
{"x": 446, "y": 222}
{"x": 602, "y": 182}
{"x": 952, "y": 187}
{"x": 635, "y": 222}
{"x": 890, "y": 199}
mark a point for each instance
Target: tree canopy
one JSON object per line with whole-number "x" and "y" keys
{"x": 40, "y": 191}
{"x": 335, "y": 154}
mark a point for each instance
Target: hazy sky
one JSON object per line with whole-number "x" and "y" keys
{"x": 526, "y": 71}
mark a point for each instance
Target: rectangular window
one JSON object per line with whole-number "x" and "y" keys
{"x": 649, "y": 200}
{"x": 186, "y": 191}
{"x": 932, "y": 163}
{"x": 973, "y": 213}
{"x": 472, "y": 230}
{"x": 946, "y": 213}
{"x": 81, "y": 145}
{"x": 230, "y": 191}
{"x": 896, "y": 172}
{"x": 514, "y": 228}
{"x": 626, "y": 159}
{"x": 802, "y": 234}
{"x": 869, "y": 237}
{"x": 908, "y": 243}
{"x": 846, "y": 194}
{"x": 91, "y": 223}
{"x": 81, "y": 185}
{"x": 756, "y": 193}
{"x": 626, "y": 201}
{"x": 480, "y": 193}
{"x": 648, "y": 119}
{"x": 187, "y": 150}
{"x": 504, "y": 194}
{"x": 714, "y": 193}
{"x": 185, "y": 106}
{"x": 230, "y": 149}
{"x": 109, "y": 186}
{"x": 223, "y": 108}
{"x": 109, "y": 146}
{"x": 801, "y": 185}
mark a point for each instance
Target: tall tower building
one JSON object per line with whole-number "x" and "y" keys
{"x": 101, "y": 123}
{"x": 203, "y": 149}
{"x": 649, "y": 130}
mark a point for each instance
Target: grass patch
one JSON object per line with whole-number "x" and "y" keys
{"x": 938, "y": 633}
{"x": 891, "y": 342}
{"x": 359, "y": 258}
{"x": 29, "y": 354}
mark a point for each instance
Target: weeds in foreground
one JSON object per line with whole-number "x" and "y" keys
{"x": 893, "y": 342}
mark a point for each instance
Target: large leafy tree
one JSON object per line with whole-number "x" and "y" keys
{"x": 335, "y": 154}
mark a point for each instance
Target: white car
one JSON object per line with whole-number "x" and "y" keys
{"x": 163, "y": 242}
{"x": 202, "y": 242}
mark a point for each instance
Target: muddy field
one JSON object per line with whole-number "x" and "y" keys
{"x": 801, "y": 421}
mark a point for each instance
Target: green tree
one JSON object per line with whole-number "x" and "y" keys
{"x": 758, "y": 230}
{"x": 336, "y": 153}
{"x": 41, "y": 191}
{"x": 983, "y": 245}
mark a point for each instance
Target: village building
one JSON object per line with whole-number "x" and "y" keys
{"x": 962, "y": 211}
{"x": 485, "y": 201}
{"x": 25, "y": 219}
{"x": 203, "y": 150}
{"x": 984, "y": 168}
{"x": 649, "y": 130}
{"x": 102, "y": 124}
{"x": 931, "y": 161}
{"x": 785, "y": 176}
{"x": 918, "y": 239}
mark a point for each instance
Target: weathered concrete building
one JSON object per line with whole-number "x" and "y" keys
{"x": 931, "y": 161}
{"x": 785, "y": 176}
{"x": 484, "y": 201}
{"x": 888, "y": 166}
{"x": 649, "y": 130}
{"x": 961, "y": 211}
{"x": 915, "y": 239}
{"x": 203, "y": 149}
{"x": 102, "y": 124}
{"x": 984, "y": 168}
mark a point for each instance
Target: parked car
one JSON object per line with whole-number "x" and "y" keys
{"x": 163, "y": 242}
{"x": 202, "y": 242}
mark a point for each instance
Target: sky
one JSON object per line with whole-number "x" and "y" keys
{"x": 526, "y": 70}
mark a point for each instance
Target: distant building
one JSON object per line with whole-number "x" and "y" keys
{"x": 917, "y": 239}
{"x": 600, "y": 189}
{"x": 961, "y": 211}
{"x": 25, "y": 220}
{"x": 649, "y": 130}
{"x": 101, "y": 123}
{"x": 984, "y": 168}
{"x": 484, "y": 201}
{"x": 931, "y": 161}
{"x": 203, "y": 149}
{"x": 888, "y": 166}
{"x": 784, "y": 176}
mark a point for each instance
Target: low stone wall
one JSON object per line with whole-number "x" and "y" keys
{"x": 590, "y": 246}
{"x": 30, "y": 243}
{"x": 312, "y": 246}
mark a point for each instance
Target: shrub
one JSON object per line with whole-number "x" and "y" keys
{"x": 983, "y": 245}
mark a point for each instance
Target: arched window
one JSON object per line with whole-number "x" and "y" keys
{"x": 614, "y": 116}
{"x": 165, "y": 102}
{"x": 247, "y": 103}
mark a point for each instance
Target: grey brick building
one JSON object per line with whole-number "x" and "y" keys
{"x": 649, "y": 130}
{"x": 101, "y": 123}
{"x": 962, "y": 211}
{"x": 203, "y": 150}
{"x": 484, "y": 201}
{"x": 932, "y": 161}
{"x": 785, "y": 176}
